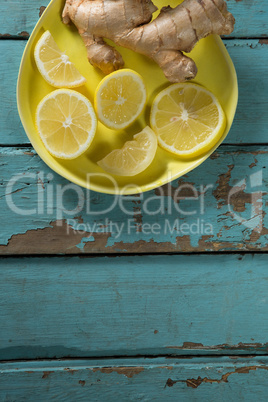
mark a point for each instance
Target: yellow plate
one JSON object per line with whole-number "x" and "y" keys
{"x": 215, "y": 71}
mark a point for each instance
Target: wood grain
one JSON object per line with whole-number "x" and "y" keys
{"x": 131, "y": 380}
{"x": 18, "y": 18}
{"x": 221, "y": 206}
{"x": 133, "y": 305}
{"x": 250, "y": 125}
{"x": 199, "y": 306}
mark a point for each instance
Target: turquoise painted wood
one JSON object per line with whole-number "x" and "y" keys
{"x": 221, "y": 206}
{"x": 136, "y": 380}
{"x": 210, "y": 307}
{"x": 133, "y": 305}
{"x": 250, "y": 125}
{"x": 251, "y": 17}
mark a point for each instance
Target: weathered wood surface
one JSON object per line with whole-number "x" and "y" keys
{"x": 133, "y": 305}
{"x": 221, "y": 206}
{"x": 208, "y": 304}
{"x": 251, "y": 121}
{"x": 251, "y": 17}
{"x": 125, "y": 380}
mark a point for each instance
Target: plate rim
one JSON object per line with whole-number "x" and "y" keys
{"x": 144, "y": 187}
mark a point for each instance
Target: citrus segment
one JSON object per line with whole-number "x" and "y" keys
{"x": 120, "y": 98}
{"x": 66, "y": 123}
{"x": 54, "y": 65}
{"x": 134, "y": 157}
{"x": 188, "y": 119}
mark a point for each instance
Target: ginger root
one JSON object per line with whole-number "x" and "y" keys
{"x": 127, "y": 23}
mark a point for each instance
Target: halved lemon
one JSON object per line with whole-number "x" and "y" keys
{"x": 134, "y": 157}
{"x": 66, "y": 122}
{"x": 120, "y": 98}
{"x": 188, "y": 119}
{"x": 54, "y": 65}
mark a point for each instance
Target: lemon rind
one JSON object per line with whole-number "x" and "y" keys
{"x": 142, "y": 166}
{"x": 91, "y": 133}
{"x": 205, "y": 145}
{"x": 97, "y": 99}
{"x": 43, "y": 72}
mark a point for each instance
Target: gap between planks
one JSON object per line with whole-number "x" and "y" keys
{"x": 126, "y": 254}
{"x": 200, "y": 356}
{"x": 225, "y": 144}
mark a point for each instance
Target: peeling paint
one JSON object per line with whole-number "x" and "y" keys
{"x": 138, "y": 218}
{"x": 51, "y": 233}
{"x": 62, "y": 238}
{"x": 223, "y": 188}
{"x": 46, "y": 374}
{"x": 170, "y": 382}
{"x": 182, "y": 244}
{"x": 55, "y": 235}
{"x": 196, "y": 382}
{"x": 5, "y": 36}
{"x": 240, "y": 346}
{"x": 24, "y": 34}
{"x": 192, "y": 345}
{"x": 263, "y": 41}
{"x": 239, "y": 197}
{"x": 183, "y": 189}
{"x": 253, "y": 164}
{"x": 59, "y": 237}
{"x": 85, "y": 240}
{"x": 126, "y": 371}
{"x": 72, "y": 371}
{"x": 214, "y": 156}
{"x": 41, "y": 10}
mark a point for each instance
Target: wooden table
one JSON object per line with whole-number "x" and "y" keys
{"x": 94, "y": 313}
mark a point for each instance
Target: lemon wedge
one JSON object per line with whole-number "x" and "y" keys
{"x": 66, "y": 122}
{"x": 134, "y": 157}
{"x": 54, "y": 65}
{"x": 188, "y": 119}
{"x": 120, "y": 98}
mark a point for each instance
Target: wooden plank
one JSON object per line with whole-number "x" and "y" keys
{"x": 219, "y": 206}
{"x": 132, "y": 380}
{"x": 250, "y": 124}
{"x": 11, "y": 130}
{"x": 251, "y": 120}
{"x": 133, "y": 305}
{"x": 18, "y": 18}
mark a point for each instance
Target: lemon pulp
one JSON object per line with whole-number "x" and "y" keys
{"x": 54, "y": 65}
{"x": 134, "y": 157}
{"x": 120, "y": 98}
{"x": 188, "y": 119}
{"x": 66, "y": 122}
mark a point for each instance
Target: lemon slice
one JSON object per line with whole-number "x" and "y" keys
{"x": 54, "y": 65}
{"x": 66, "y": 122}
{"x": 188, "y": 119}
{"x": 120, "y": 98}
{"x": 134, "y": 157}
